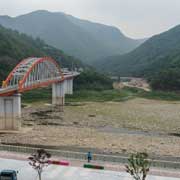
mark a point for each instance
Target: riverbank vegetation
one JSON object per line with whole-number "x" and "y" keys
{"x": 95, "y": 87}
{"x": 101, "y": 96}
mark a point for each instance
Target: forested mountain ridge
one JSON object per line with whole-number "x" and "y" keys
{"x": 15, "y": 46}
{"x": 80, "y": 38}
{"x": 157, "y": 57}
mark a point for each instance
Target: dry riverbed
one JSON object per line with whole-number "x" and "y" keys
{"x": 110, "y": 127}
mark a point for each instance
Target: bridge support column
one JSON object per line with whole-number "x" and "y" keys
{"x": 10, "y": 112}
{"x": 58, "y": 94}
{"x": 69, "y": 86}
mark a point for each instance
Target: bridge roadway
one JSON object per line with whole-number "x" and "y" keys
{"x": 14, "y": 88}
{"x": 54, "y": 172}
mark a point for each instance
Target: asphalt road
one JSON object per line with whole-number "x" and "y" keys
{"x": 53, "y": 172}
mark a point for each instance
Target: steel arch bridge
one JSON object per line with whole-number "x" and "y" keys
{"x": 29, "y": 74}
{"x": 33, "y": 73}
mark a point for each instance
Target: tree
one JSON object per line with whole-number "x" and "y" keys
{"x": 138, "y": 166}
{"x": 39, "y": 160}
{"x": 167, "y": 79}
{"x": 92, "y": 80}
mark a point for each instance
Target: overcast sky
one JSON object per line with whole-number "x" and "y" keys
{"x": 135, "y": 18}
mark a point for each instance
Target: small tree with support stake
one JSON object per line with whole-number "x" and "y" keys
{"x": 138, "y": 166}
{"x": 39, "y": 160}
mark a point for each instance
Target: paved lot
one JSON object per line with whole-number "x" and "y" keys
{"x": 67, "y": 173}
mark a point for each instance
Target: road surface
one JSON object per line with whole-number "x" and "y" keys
{"x": 54, "y": 172}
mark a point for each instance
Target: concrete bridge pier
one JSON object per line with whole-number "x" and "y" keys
{"x": 69, "y": 86}
{"x": 58, "y": 94}
{"x": 10, "y": 112}
{"x": 59, "y": 90}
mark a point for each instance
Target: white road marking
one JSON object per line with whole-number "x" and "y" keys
{"x": 52, "y": 172}
{"x": 71, "y": 172}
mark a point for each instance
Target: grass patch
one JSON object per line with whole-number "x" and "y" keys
{"x": 42, "y": 94}
{"x": 160, "y": 95}
{"x": 45, "y": 95}
{"x": 100, "y": 96}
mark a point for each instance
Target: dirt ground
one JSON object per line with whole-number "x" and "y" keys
{"x": 110, "y": 127}
{"x": 133, "y": 82}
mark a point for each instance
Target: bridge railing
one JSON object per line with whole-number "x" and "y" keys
{"x": 8, "y": 88}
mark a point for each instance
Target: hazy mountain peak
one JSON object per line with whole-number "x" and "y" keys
{"x": 81, "y": 38}
{"x": 160, "y": 51}
{"x": 38, "y": 12}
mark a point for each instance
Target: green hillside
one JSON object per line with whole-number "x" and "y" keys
{"x": 83, "y": 39}
{"x": 158, "y": 59}
{"x": 15, "y": 46}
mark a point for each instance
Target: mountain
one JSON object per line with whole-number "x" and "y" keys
{"x": 158, "y": 59}
{"x": 83, "y": 39}
{"x": 150, "y": 56}
{"x": 15, "y": 46}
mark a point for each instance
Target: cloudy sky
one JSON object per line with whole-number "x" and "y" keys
{"x": 136, "y": 18}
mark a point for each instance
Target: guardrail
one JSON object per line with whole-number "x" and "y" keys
{"x": 82, "y": 156}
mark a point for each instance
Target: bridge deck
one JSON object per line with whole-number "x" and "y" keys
{"x": 14, "y": 89}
